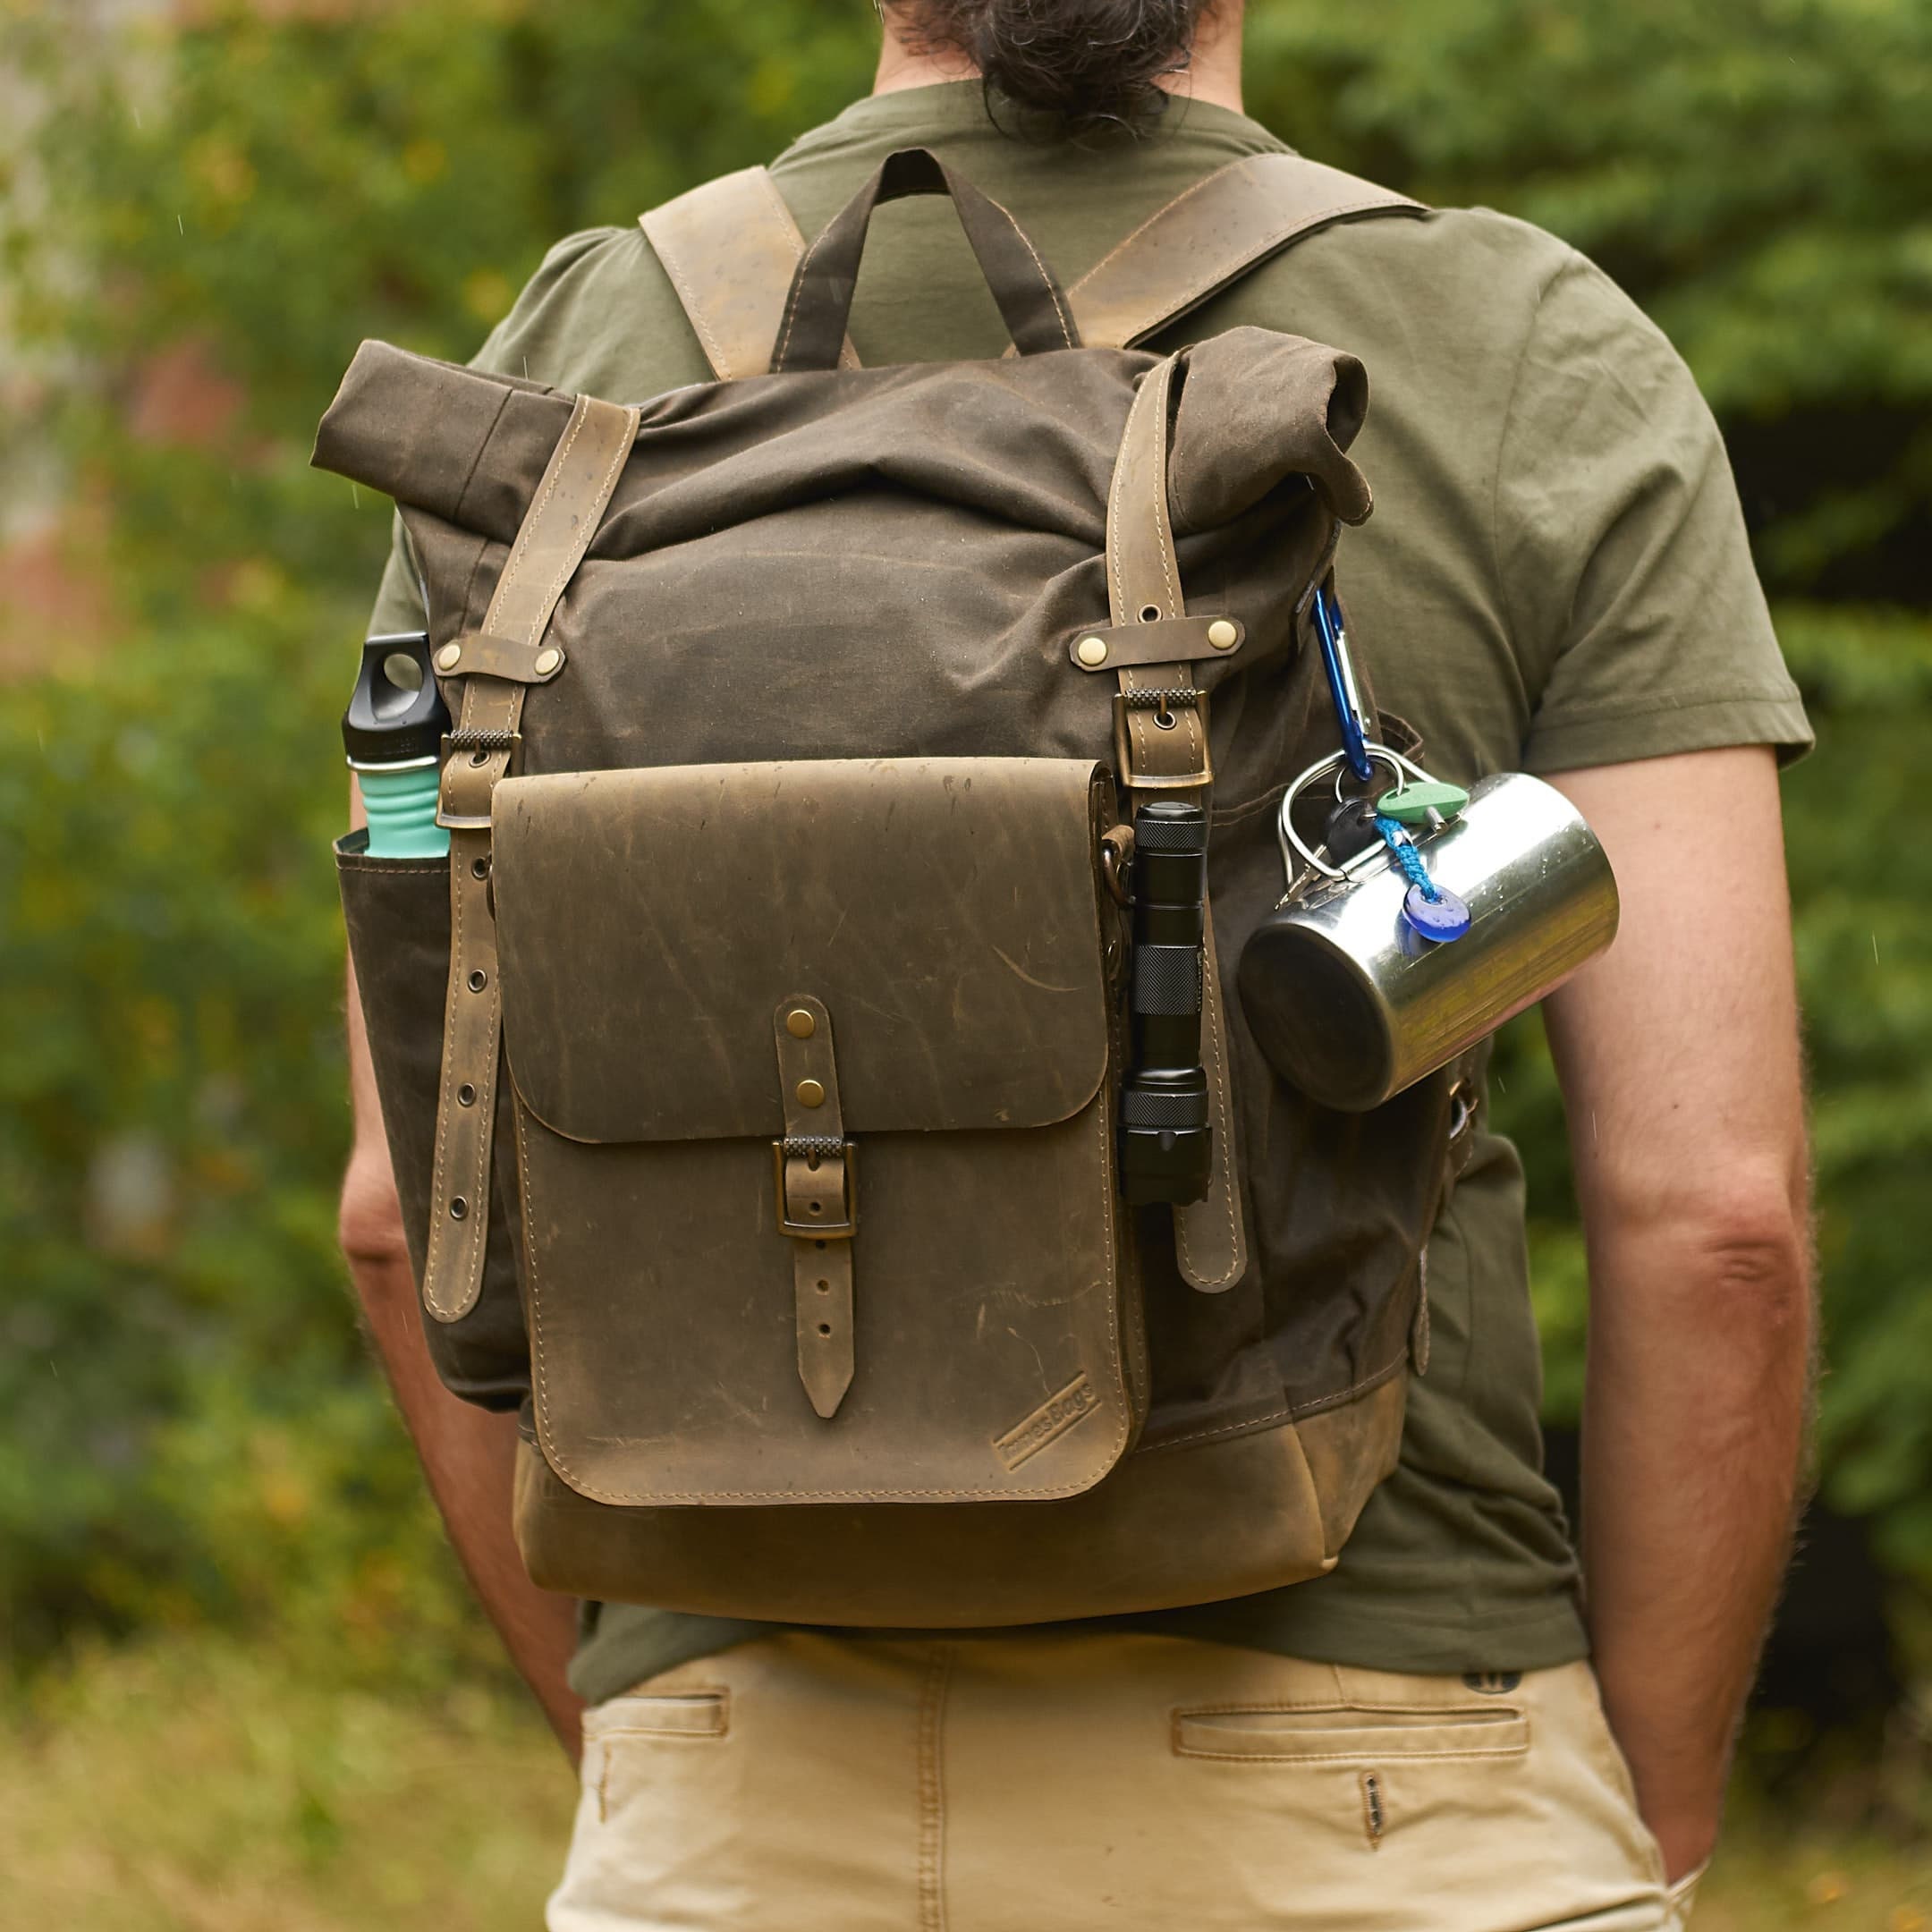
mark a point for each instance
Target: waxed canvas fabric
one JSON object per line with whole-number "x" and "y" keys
{"x": 1556, "y": 575}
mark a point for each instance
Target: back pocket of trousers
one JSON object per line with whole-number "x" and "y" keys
{"x": 1341, "y": 1733}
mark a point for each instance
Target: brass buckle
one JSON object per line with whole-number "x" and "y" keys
{"x": 818, "y": 1229}
{"x": 1133, "y": 780}
{"x": 481, "y": 748}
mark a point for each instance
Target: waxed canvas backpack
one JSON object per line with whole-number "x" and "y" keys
{"x": 752, "y": 1068}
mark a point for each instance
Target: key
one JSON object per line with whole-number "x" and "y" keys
{"x": 1350, "y": 831}
{"x": 1411, "y": 805}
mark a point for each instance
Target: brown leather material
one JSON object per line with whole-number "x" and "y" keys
{"x": 481, "y": 655}
{"x": 1210, "y": 1240}
{"x": 947, "y": 915}
{"x": 1164, "y": 1529}
{"x": 673, "y": 908}
{"x": 735, "y": 297}
{"x": 816, "y": 1175}
{"x": 1211, "y": 236}
{"x": 1168, "y": 641}
{"x": 1025, "y": 289}
{"x": 1352, "y": 1448}
{"x": 563, "y": 516}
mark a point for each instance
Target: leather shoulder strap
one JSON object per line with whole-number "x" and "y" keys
{"x": 1208, "y": 238}
{"x": 562, "y": 518}
{"x": 732, "y": 250}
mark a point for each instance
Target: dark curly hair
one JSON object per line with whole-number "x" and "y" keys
{"x": 1073, "y": 67}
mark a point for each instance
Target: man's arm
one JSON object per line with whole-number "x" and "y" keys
{"x": 467, "y": 1453}
{"x": 1678, "y": 1056}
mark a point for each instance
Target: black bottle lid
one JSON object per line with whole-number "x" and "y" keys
{"x": 396, "y": 715}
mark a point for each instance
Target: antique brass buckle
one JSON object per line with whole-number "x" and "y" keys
{"x": 1132, "y": 779}
{"x": 807, "y": 1217}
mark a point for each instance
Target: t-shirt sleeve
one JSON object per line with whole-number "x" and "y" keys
{"x": 1621, "y": 550}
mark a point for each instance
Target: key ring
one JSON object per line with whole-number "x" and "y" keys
{"x": 1293, "y": 845}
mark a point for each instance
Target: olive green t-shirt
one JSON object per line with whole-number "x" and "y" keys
{"x": 1555, "y": 575}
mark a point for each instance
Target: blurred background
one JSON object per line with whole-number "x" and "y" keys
{"x": 241, "y": 1685}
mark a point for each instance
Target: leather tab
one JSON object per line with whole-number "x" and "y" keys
{"x": 562, "y": 518}
{"x": 731, "y": 248}
{"x": 1167, "y": 640}
{"x": 1210, "y": 1237}
{"x": 817, "y": 1205}
{"x": 480, "y": 654}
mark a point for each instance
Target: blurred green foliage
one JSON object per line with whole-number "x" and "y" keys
{"x": 193, "y": 1433}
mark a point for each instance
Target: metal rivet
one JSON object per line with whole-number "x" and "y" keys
{"x": 1150, "y": 614}
{"x": 548, "y": 661}
{"x": 449, "y": 656}
{"x": 810, "y": 1093}
{"x": 459, "y": 1209}
{"x": 800, "y": 1024}
{"x": 479, "y": 869}
{"x": 1092, "y": 650}
{"x": 466, "y": 1095}
{"x": 478, "y": 979}
{"x": 1222, "y": 635}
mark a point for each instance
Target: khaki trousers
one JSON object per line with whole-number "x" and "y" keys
{"x": 1077, "y": 1782}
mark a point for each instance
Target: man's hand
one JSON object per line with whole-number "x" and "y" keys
{"x": 1678, "y": 1056}
{"x": 468, "y": 1454}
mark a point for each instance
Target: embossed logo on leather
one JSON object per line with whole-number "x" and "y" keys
{"x": 1048, "y": 1423}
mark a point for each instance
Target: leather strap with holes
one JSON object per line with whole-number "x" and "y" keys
{"x": 814, "y": 1171}
{"x": 1162, "y": 746}
{"x": 563, "y": 516}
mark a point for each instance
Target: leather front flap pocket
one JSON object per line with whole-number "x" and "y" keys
{"x": 656, "y": 929}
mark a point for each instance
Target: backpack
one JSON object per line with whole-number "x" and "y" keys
{"x": 752, "y": 1071}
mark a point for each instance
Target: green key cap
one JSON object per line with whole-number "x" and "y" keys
{"x": 1413, "y": 805}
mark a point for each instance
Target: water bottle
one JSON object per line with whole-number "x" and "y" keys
{"x": 393, "y": 731}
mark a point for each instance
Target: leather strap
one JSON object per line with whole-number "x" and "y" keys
{"x": 562, "y": 518}
{"x": 1208, "y": 238}
{"x": 817, "y": 1203}
{"x": 1161, "y": 744}
{"x": 731, "y": 248}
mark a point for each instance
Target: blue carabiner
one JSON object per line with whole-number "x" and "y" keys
{"x": 1341, "y": 688}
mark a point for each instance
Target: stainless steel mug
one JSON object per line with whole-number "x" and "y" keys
{"x": 1352, "y": 1005}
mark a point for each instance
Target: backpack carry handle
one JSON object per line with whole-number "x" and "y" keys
{"x": 1031, "y": 300}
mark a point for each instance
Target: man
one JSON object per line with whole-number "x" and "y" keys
{"x": 1556, "y": 579}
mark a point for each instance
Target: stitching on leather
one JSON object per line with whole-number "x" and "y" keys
{"x": 583, "y": 1487}
{"x": 1053, "y": 289}
{"x": 932, "y": 1909}
{"x": 1232, "y": 1270}
{"x": 435, "y": 1259}
{"x": 1249, "y": 1425}
{"x": 1115, "y": 546}
{"x": 520, "y": 549}
{"x": 593, "y": 520}
{"x": 1154, "y": 220}
{"x": 687, "y": 293}
{"x": 798, "y": 288}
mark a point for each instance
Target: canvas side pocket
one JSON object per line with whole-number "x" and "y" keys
{"x": 397, "y": 914}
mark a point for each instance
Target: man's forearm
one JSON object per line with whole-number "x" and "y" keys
{"x": 468, "y": 1455}
{"x": 1693, "y": 1443}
